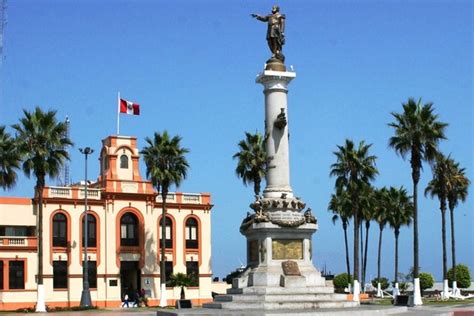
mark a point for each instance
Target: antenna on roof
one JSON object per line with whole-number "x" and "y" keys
{"x": 64, "y": 179}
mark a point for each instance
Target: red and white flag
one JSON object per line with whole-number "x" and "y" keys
{"x": 129, "y": 107}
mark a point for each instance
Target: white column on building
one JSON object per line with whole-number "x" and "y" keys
{"x": 276, "y": 103}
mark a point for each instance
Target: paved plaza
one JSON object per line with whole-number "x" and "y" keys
{"x": 364, "y": 310}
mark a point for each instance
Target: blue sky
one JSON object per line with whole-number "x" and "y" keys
{"x": 192, "y": 65}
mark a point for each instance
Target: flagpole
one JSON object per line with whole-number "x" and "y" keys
{"x": 118, "y": 114}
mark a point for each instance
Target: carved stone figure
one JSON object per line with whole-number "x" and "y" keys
{"x": 275, "y": 31}
{"x": 280, "y": 121}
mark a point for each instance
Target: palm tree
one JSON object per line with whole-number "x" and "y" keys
{"x": 354, "y": 168}
{"x": 457, "y": 185}
{"x": 9, "y": 160}
{"x": 417, "y": 133}
{"x": 41, "y": 143}
{"x": 437, "y": 187}
{"x": 341, "y": 207}
{"x": 166, "y": 165}
{"x": 252, "y": 160}
{"x": 400, "y": 213}
{"x": 180, "y": 280}
{"x": 381, "y": 217}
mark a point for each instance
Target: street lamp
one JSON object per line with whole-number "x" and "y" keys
{"x": 86, "y": 294}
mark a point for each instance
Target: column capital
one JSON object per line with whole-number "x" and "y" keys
{"x": 275, "y": 80}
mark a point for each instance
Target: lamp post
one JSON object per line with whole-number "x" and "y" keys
{"x": 86, "y": 294}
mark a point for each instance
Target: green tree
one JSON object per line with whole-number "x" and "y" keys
{"x": 457, "y": 187}
{"x": 381, "y": 217}
{"x": 341, "y": 207}
{"x": 166, "y": 165}
{"x": 41, "y": 144}
{"x": 437, "y": 187}
{"x": 426, "y": 281}
{"x": 9, "y": 160}
{"x": 341, "y": 281}
{"x": 252, "y": 160}
{"x": 354, "y": 168}
{"x": 180, "y": 280}
{"x": 400, "y": 213}
{"x": 417, "y": 134}
{"x": 463, "y": 276}
{"x": 383, "y": 283}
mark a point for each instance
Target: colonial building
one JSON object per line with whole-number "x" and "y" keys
{"x": 123, "y": 220}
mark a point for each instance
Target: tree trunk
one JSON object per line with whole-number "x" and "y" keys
{"x": 182, "y": 295}
{"x": 453, "y": 243}
{"x": 164, "y": 194}
{"x": 39, "y": 195}
{"x": 397, "y": 232}
{"x": 380, "y": 254}
{"x": 367, "y": 227}
{"x": 356, "y": 241}
{"x": 443, "y": 236}
{"x": 348, "y": 265}
{"x": 416, "y": 179}
{"x": 256, "y": 186}
{"x": 361, "y": 229}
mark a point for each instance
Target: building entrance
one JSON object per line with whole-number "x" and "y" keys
{"x": 130, "y": 278}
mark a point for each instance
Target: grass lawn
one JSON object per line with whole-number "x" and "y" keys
{"x": 426, "y": 301}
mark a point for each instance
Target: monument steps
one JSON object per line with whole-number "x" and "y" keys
{"x": 247, "y": 298}
{"x": 290, "y": 305}
{"x": 259, "y": 290}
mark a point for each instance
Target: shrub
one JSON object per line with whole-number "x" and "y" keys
{"x": 341, "y": 281}
{"x": 383, "y": 283}
{"x": 463, "y": 276}
{"x": 426, "y": 280}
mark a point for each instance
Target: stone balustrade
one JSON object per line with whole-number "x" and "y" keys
{"x": 11, "y": 241}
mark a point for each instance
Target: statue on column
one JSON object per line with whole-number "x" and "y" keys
{"x": 275, "y": 32}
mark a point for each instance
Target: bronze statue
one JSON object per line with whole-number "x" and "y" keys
{"x": 275, "y": 31}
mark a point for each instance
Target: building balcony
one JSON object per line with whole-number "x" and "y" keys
{"x": 185, "y": 198}
{"x": 8, "y": 242}
{"x": 75, "y": 192}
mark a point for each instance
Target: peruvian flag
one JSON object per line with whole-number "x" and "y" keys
{"x": 129, "y": 107}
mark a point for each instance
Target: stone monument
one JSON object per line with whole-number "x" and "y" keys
{"x": 280, "y": 273}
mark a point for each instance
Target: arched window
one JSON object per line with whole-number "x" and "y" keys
{"x": 124, "y": 162}
{"x": 91, "y": 231}
{"x": 59, "y": 230}
{"x": 192, "y": 233}
{"x": 129, "y": 230}
{"x": 168, "y": 232}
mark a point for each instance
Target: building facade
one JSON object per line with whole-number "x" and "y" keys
{"x": 124, "y": 214}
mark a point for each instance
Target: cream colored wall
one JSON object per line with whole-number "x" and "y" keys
{"x": 17, "y": 214}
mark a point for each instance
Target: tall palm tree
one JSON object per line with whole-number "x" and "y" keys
{"x": 400, "y": 213}
{"x": 252, "y": 160}
{"x": 41, "y": 143}
{"x": 381, "y": 217}
{"x": 437, "y": 187}
{"x": 457, "y": 187}
{"x": 354, "y": 168}
{"x": 9, "y": 160}
{"x": 341, "y": 208}
{"x": 166, "y": 165}
{"x": 417, "y": 134}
